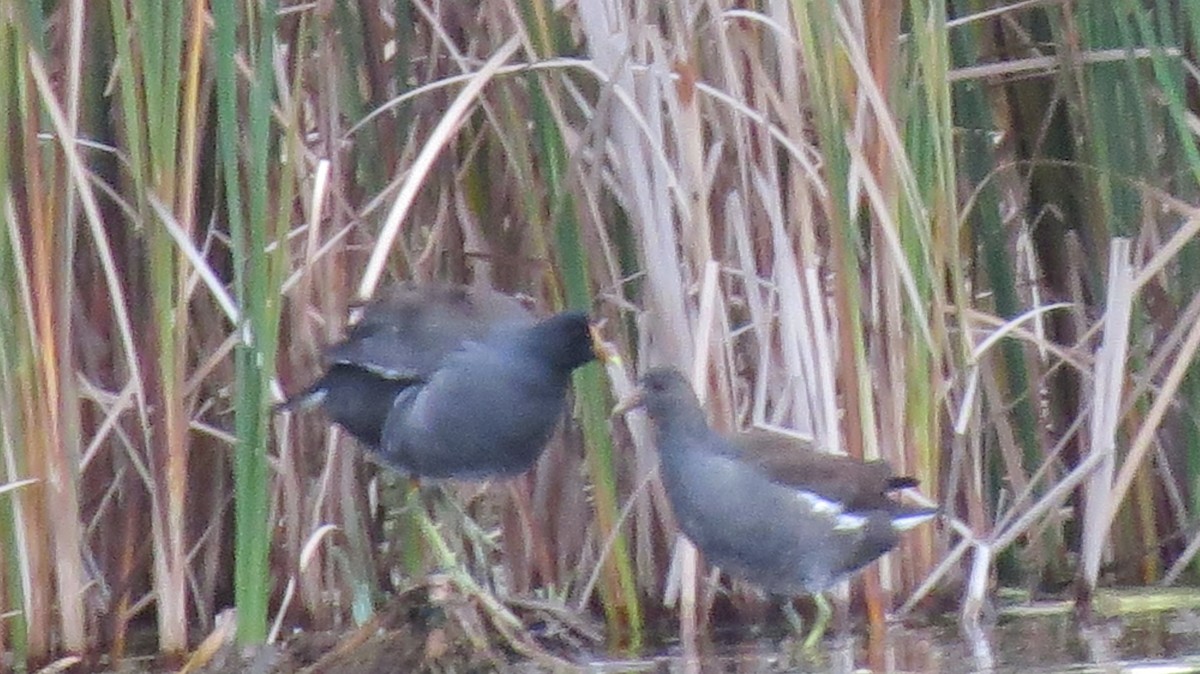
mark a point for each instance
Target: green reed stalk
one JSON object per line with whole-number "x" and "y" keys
{"x": 249, "y": 186}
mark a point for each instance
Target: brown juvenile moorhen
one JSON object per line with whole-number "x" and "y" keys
{"x": 760, "y": 507}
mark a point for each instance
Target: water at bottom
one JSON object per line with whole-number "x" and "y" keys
{"x": 1166, "y": 642}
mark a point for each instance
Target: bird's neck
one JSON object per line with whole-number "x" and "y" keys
{"x": 686, "y": 427}
{"x": 544, "y": 342}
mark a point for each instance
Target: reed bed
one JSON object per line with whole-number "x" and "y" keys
{"x": 954, "y": 235}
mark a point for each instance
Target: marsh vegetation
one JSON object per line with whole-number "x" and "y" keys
{"x": 953, "y": 235}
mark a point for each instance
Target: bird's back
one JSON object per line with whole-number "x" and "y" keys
{"x": 410, "y": 330}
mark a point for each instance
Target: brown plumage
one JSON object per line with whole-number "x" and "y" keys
{"x": 856, "y": 484}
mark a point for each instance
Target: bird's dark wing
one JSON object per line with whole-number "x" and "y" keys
{"x": 408, "y": 332}
{"x": 402, "y": 339}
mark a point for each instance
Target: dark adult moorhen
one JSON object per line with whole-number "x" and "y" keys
{"x": 450, "y": 381}
{"x": 492, "y": 405}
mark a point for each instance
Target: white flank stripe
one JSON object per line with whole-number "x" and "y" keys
{"x": 820, "y": 505}
{"x": 823, "y": 506}
{"x": 849, "y": 522}
{"x": 844, "y": 521}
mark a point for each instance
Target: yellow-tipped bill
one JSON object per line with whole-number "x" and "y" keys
{"x": 604, "y": 353}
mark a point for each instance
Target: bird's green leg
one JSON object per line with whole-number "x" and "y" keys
{"x": 412, "y": 553}
{"x": 819, "y": 623}
{"x": 449, "y": 561}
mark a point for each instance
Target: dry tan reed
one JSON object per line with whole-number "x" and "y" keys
{"x": 872, "y": 224}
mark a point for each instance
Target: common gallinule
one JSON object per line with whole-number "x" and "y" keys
{"x": 492, "y": 405}
{"x": 784, "y": 517}
{"x": 450, "y": 381}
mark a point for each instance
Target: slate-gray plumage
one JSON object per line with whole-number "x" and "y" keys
{"x": 442, "y": 380}
{"x": 789, "y": 519}
{"x": 401, "y": 339}
{"x": 492, "y": 406}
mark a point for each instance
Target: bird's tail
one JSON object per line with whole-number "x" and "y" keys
{"x": 907, "y": 517}
{"x": 902, "y": 482}
{"x": 306, "y": 399}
